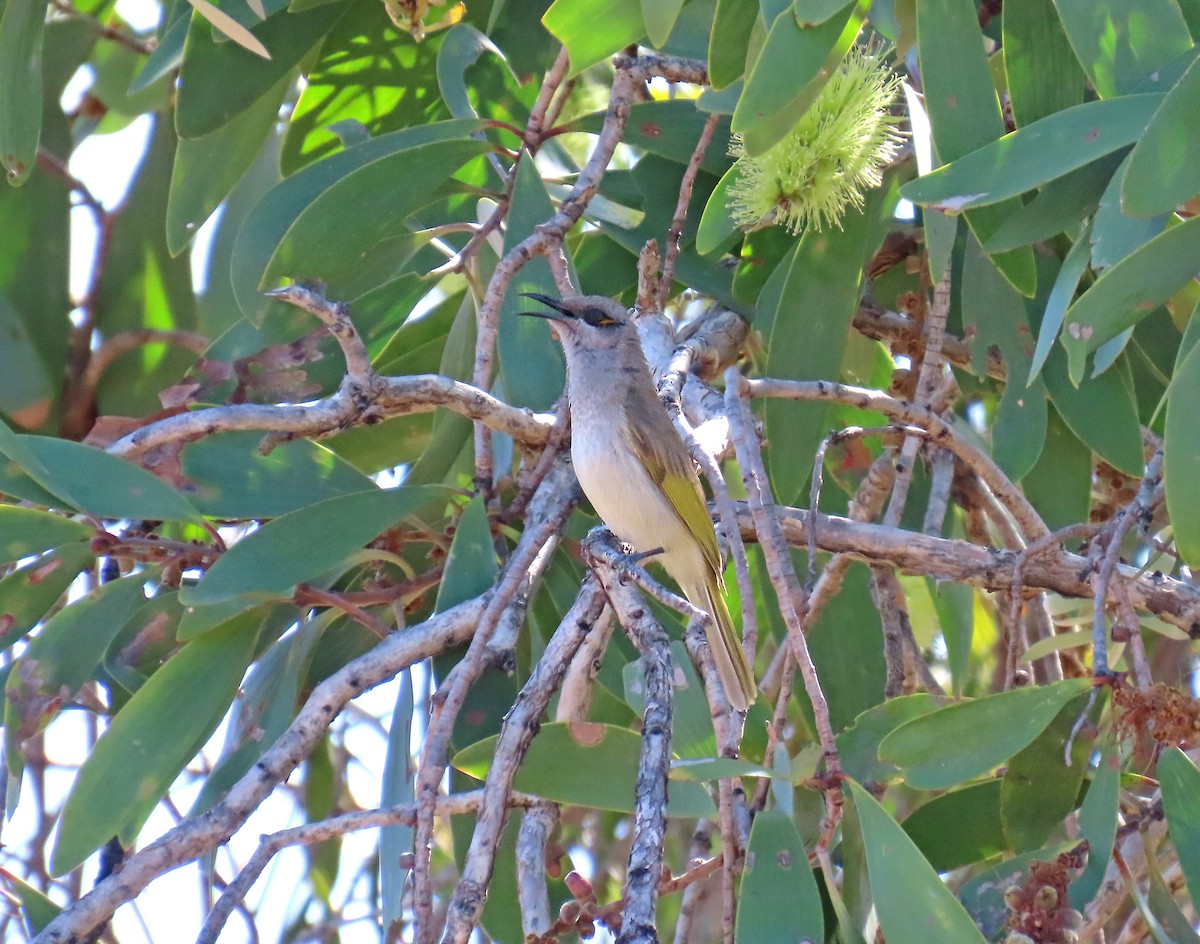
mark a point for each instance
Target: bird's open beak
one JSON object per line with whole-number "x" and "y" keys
{"x": 557, "y": 310}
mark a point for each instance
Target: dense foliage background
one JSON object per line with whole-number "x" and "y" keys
{"x": 234, "y": 504}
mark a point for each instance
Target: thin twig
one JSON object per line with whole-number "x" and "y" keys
{"x": 1139, "y": 509}
{"x": 322, "y": 831}
{"x": 196, "y": 836}
{"x": 791, "y": 597}
{"x": 451, "y": 695}
{"x": 638, "y": 919}
{"x": 941, "y": 432}
{"x": 520, "y": 726}
{"x": 547, "y": 235}
{"x": 675, "y": 233}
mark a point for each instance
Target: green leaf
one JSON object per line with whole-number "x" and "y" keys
{"x": 778, "y": 899}
{"x": 717, "y": 224}
{"x": 266, "y": 703}
{"x": 1043, "y": 76}
{"x": 964, "y": 112}
{"x": 1060, "y": 484}
{"x": 471, "y": 565}
{"x": 914, "y": 905}
{"x": 274, "y": 216}
{"x": 584, "y": 764}
{"x": 229, "y": 478}
{"x": 398, "y": 787}
{"x": 814, "y": 12}
{"x": 700, "y": 769}
{"x": 849, "y": 622}
{"x": 1038, "y": 789}
{"x": 1181, "y": 447}
{"x": 659, "y": 17}
{"x": 823, "y": 275}
{"x": 381, "y": 194}
{"x": 669, "y": 129}
{"x": 985, "y": 732}
{"x": 1035, "y": 154}
{"x": 151, "y": 740}
{"x": 531, "y": 364}
{"x": 22, "y": 25}
{"x": 64, "y": 656}
{"x": 1166, "y": 920}
{"x": 993, "y": 309}
{"x": 219, "y": 80}
{"x": 1180, "y": 783}
{"x": 592, "y": 30}
{"x": 26, "y": 392}
{"x": 207, "y": 167}
{"x": 792, "y": 68}
{"x": 304, "y": 544}
{"x": 1101, "y": 411}
{"x": 1098, "y": 825}
{"x": 101, "y": 484}
{"x": 1119, "y": 44}
{"x": 955, "y": 606}
{"x": 1115, "y": 234}
{"x": 1161, "y": 174}
{"x": 28, "y": 592}
{"x": 142, "y": 286}
{"x": 27, "y": 531}
{"x": 39, "y": 910}
{"x": 1059, "y": 299}
{"x": 960, "y": 827}
{"x": 367, "y": 73}
{"x": 1059, "y": 207}
{"x": 858, "y": 745}
{"x": 733, "y": 22}
{"x": 1130, "y": 290}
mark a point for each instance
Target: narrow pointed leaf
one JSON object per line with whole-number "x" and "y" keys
{"x": 964, "y": 113}
{"x": 303, "y": 545}
{"x": 660, "y": 17}
{"x": 986, "y": 732}
{"x": 733, "y": 23}
{"x": 1130, "y": 290}
{"x": 914, "y": 905}
{"x": 778, "y": 898}
{"x": 584, "y": 764}
{"x": 792, "y": 68}
{"x": 151, "y": 739}
{"x": 593, "y": 31}
{"x": 1162, "y": 173}
{"x": 1098, "y": 825}
{"x": 1181, "y": 447}
{"x": 101, "y": 484}
{"x": 1121, "y": 44}
{"x": 1035, "y": 154}
{"x": 1180, "y": 783}
{"x": 28, "y": 592}
{"x": 22, "y": 25}
{"x": 1038, "y": 789}
{"x": 27, "y": 531}
{"x": 269, "y": 222}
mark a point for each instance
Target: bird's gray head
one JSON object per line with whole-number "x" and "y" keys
{"x": 587, "y": 322}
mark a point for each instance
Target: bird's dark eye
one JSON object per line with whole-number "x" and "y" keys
{"x": 597, "y": 318}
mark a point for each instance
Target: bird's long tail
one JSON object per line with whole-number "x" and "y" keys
{"x": 735, "y": 672}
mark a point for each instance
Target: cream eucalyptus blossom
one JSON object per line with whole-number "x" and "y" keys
{"x": 834, "y": 155}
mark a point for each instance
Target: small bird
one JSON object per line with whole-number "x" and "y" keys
{"x": 634, "y": 469}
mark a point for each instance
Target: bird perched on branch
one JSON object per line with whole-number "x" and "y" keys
{"x": 634, "y": 468}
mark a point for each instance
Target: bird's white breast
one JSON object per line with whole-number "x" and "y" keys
{"x": 631, "y": 503}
